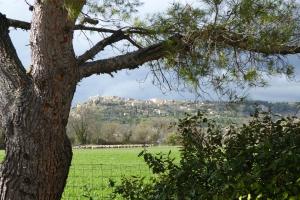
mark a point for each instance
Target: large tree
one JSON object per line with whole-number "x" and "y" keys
{"x": 216, "y": 42}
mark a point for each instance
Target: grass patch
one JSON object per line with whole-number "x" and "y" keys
{"x": 91, "y": 169}
{"x": 116, "y": 156}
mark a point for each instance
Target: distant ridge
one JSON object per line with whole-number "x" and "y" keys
{"x": 114, "y": 107}
{"x": 113, "y": 120}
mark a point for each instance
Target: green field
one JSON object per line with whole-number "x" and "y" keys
{"x": 91, "y": 170}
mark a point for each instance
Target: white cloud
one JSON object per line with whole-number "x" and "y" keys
{"x": 279, "y": 89}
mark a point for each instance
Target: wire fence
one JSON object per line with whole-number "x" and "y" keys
{"x": 91, "y": 181}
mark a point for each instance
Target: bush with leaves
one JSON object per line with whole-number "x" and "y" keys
{"x": 259, "y": 160}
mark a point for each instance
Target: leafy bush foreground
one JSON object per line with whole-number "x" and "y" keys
{"x": 258, "y": 160}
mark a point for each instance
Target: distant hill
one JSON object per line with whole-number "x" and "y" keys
{"x": 112, "y": 119}
{"x": 120, "y": 109}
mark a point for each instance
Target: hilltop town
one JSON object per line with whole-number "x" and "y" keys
{"x": 118, "y": 108}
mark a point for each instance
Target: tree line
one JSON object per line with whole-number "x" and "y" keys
{"x": 87, "y": 127}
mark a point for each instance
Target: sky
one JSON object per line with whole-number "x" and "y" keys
{"x": 134, "y": 83}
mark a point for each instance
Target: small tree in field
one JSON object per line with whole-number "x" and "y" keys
{"x": 80, "y": 129}
{"x": 215, "y": 43}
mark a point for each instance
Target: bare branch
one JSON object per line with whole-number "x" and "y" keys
{"x": 91, "y": 53}
{"x": 92, "y": 28}
{"x": 129, "y": 30}
{"x": 19, "y": 24}
{"x": 126, "y": 30}
{"x": 134, "y": 43}
{"x": 89, "y": 20}
{"x": 26, "y": 26}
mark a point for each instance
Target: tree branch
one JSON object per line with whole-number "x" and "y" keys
{"x": 81, "y": 27}
{"x": 125, "y": 30}
{"x": 238, "y": 42}
{"x": 12, "y": 73}
{"x": 130, "y": 60}
{"x": 27, "y": 25}
{"x": 18, "y": 24}
{"x": 130, "y": 30}
{"x": 11, "y": 66}
{"x": 91, "y": 53}
{"x": 222, "y": 36}
{"x": 241, "y": 41}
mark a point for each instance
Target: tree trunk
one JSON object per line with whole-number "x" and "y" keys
{"x": 34, "y": 106}
{"x": 38, "y": 153}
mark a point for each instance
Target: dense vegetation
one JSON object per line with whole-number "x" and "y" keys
{"x": 259, "y": 160}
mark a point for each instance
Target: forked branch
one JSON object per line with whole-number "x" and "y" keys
{"x": 11, "y": 68}
{"x": 12, "y": 73}
{"x": 91, "y": 53}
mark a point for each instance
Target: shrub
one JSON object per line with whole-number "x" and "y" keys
{"x": 173, "y": 139}
{"x": 259, "y": 160}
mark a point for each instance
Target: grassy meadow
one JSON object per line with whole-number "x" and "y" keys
{"x": 92, "y": 168}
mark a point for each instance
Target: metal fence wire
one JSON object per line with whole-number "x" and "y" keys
{"x": 91, "y": 181}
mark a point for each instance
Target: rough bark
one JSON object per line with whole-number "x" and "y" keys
{"x": 35, "y": 107}
{"x": 38, "y": 153}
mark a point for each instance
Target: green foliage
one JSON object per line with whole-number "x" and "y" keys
{"x": 74, "y": 7}
{"x": 178, "y": 19}
{"x": 113, "y": 11}
{"x": 259, "y": 160}
{"x": 223, "y": 43}
{"x": 227, "y": 42}
{"x": 173, "y": 139}
{"x": 129, "y": 188}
